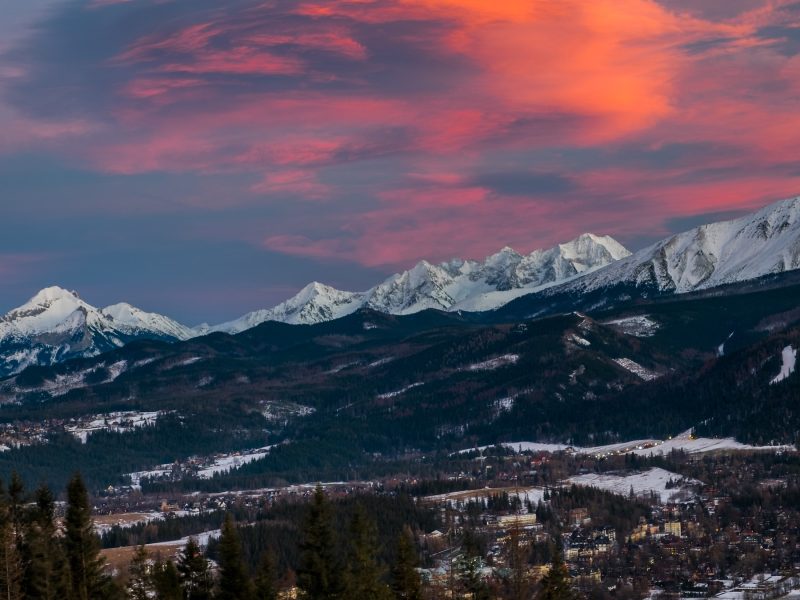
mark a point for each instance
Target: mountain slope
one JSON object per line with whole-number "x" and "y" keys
{"x": 765, "y": 242}
{"x": 55, "y": 325}
{"x": 452, "y": 285}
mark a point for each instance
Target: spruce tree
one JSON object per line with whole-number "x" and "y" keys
{"x": 363, "y": 576}
{"x": 167, "y": 581}
{"x": 46, "y": 575}
{"x": 556, "y": 585}
{"x": 140, "y": 582}
{"x": 519, "y": 582}
{"x": 194, "y": 573}
{"x": 234, "y": 582}
{"x": 265, "y": 583}
{"x": 11, "y": 574}
{"x": 406, "y": 583}
{"x": 87, "y": 579}
{"x": 318, "y": 576}
{"x": 469, "y": 567}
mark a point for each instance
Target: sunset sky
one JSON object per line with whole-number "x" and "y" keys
{"x": 203, "y": 158}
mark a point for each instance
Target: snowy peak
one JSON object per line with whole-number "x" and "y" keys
{"x": 56, "y": 324}
{"x": 315, "y": 303}
{"x": 589, "y": 250}
{"x": 51, "y": 309}
{"x": 762, "y": 243}
{"x": 133, "y": 320}
{"x": 450, "y": 285}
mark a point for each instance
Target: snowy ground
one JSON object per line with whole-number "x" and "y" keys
{"x": 202, "y": 467}
{"x": 65, "y": 383}
{"x": 638, "y": 326}
{"x": 120, "y": 422}
{"x": 525, "y": 494}
{"x": 202, "y": 540}
{"x": 494, "y": 363}
{"x": 227, "y": 462}
{"x": 653, "y": 481}
{"x": 104, "y": 523}
{"x": 685, "y": 442}
{"x": 637, "y": 369}
{"x": 400, "y": 391}
{"x": 789, "y": 357}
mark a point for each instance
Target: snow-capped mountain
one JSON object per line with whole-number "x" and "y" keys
{"x": 57, "y": 324}
{"x": 453, "y": 285}
{"x": 313, "y": 304}
{"x": 762, "y": 243}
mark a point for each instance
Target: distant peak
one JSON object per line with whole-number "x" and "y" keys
{"x": 315, "y": 287}
{"x": 51, "y": 294}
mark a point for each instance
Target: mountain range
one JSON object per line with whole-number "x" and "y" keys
{"x": 56, "y": 324}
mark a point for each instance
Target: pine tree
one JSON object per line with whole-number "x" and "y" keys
{"x": 140, "y": 582}
{"x": 194, "y": 572}
{"x": 363, "y": 576}
{"x": 46, "y": 576}
{"x": 234, "y": 582}
{"x": 406, "y": 583}
{"x": 519, "y": 580}
{"x": 556, "y": 585}
{"x": 11, "y": 574}
{"x": 167, "y": 581}
{"x": 469, "y": 567}
{"x": 318, "y": 576}
{"x": 88, "y": 581}
{"x": 265, "y": 583}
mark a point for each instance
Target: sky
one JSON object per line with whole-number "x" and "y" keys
{"x": 202, "y": 158}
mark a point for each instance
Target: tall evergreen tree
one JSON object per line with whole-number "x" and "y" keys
{"x": 469, "y": 567}
{"x": 140, "y": 582}
{"x": 406, "y": 583}
{"x": 556, "y": 585}
{"x": 234, "y": 582}
{"x": 519, "y": 581}
{"x": 318, "y": 576}
{"x": 167, "y": 581}
{"x": 266, "y": 587}
{"x": 11, "y": 574}
{"x": 194, "y": 573}
{"x": 87, "y": 579}
{"x": 364, "y": 575}
{"x": 46, "y": 576}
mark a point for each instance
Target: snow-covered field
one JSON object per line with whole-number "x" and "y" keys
{"x": 789, "y": 357}
{"x": 227, "y": 462}
{"x": 104, "y": 523}
{"x": 202, "y": 467}
{"x": 637, "y": 369}
{"x": 65, "y": 383}
{"x": 202, "y": 540}
{"x": 653, "y": 481}
{"x": 526, "y": 494}
{"x": 119, "y": 422}
{"x": 637, "y": 326}
{"x": 685, "y": 442}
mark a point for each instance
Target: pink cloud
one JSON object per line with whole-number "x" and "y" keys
{"x": 389, "y": 110}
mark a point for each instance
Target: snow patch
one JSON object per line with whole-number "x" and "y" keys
{"x": 789, "y": 357}
{"x": 579, "y": 340}
{"x": 653, "y": 481}
{"x": 495, "y": 363}
{"x": 119, "y": 422}
{"x": 637, "y": 326}
{"x": 636, "y": 369}
{"x": 400, "y": 391}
